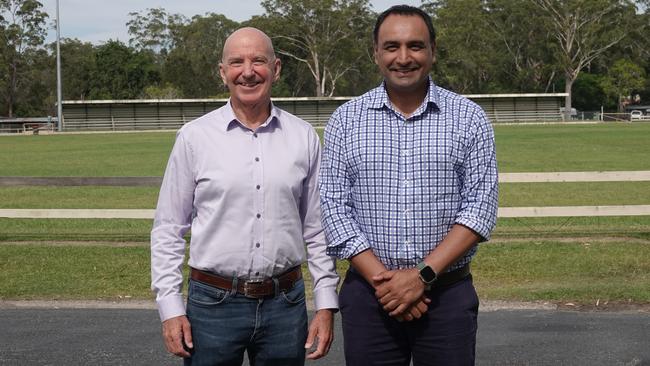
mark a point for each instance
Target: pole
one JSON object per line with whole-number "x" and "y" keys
{"x": 59, "y": 107}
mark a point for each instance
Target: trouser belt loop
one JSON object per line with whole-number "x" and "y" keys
{"x": 276, "y": 286}
{"x": 235, "y": 280}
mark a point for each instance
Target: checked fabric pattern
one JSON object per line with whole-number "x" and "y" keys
{"x": 398, "y": 185}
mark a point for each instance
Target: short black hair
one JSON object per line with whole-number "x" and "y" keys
{"x": 404, "y": 10}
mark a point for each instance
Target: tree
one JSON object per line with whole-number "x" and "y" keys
{"x": 36, "y": 95}
{"x": 78, "y": 67}
{"x": 623, "y": 78}
{"x": 22, "y": 29}
{"x": 465, "y": 46}
{"x": 192, "y": 66}
{"x": 121, "y": 72}
{"x": 154, "y": 30}
{"x": 583, "y": 30}
{"x": 324, "y": 35}
{"x": 526, "y": 57}
{"x": 588, "y": 93}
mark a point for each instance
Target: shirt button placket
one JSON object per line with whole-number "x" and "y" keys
{"x": 258, "y": 201}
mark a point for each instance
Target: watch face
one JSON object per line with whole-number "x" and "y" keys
{"x": 427, "y": 274}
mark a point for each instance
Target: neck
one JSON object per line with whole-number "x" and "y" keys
{"x": 407, "y": 101}
{"x": 252, "y": 115}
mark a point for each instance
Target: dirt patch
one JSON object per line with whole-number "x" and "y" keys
{"x": 606, "y": 306}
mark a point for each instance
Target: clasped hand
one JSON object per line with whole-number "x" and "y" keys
{"x": 401, "y": 293}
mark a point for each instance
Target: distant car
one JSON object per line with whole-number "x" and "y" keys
{"x": 636, "y": 115}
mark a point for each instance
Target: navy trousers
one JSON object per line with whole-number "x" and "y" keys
{"x": 445, "y": 335}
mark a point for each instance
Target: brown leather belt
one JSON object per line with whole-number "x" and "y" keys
{"x": 256, "y": 288}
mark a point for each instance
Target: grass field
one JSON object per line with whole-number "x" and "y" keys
{"x": 538, "y": 148}
{"x": 580, "y": 272}
{"x": 577, "y": 259}
{"x": 510, "y": 195}
{"x": 123, "y": 230}
{"x": 558, "y": 148}
{"x": 87, "y": 155}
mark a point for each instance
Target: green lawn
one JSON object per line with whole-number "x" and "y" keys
{"x": 529, "y": 148}
{"x": 89, "y": 197}
{"x": 510, "y": 195}
{"x": 574, "y": 194}
{"x": 86, "y": 155}
{"x": 583, "y": 271}
{"x": 115, "y": 230}
{"x": 74, "y": 230}
{"x": 579, "y": 259}
{"x": 559, "y": 148}
{"x": 541, "y": 270}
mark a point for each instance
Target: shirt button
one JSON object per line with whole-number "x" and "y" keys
{"x": 255, "y": 135}
{"x": 257, "y": 245}
{"x": 257, "y": 159}
{"x": 258, "y": 216}
{"x": 257, "y": 273}
{"x": 258, "y": 186}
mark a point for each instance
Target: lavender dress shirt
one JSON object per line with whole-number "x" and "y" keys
{"x": 251, "y": 201}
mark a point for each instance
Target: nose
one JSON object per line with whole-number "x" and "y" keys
{"x": 248, "y": 70}
{"x": 403, "y": 56}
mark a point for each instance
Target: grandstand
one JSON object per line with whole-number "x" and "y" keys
{"x": 155, "y": 114}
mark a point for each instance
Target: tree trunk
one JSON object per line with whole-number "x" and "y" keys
{"x": 568, "y": 84}
{"x": 317, "y": 81}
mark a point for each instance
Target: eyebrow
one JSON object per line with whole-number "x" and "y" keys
{"x": 408, "y": 44}
{"x": 264, "y": 58}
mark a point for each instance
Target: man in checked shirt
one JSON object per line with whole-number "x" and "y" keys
{"x": 408, "y": 189}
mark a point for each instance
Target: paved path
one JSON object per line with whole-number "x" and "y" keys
{"x": 506, "y": 337}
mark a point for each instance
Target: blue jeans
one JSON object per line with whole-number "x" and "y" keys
{"x": 225, "y": 324}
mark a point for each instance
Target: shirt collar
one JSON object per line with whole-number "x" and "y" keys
{"x": 229, "y": 119}
{"x": 380, "y": 97}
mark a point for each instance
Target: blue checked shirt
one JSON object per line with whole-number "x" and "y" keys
{"x": 398, "y": 185}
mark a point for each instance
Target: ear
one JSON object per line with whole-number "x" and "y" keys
{"x": 222, "y": 72}
{"x": 277, "y": 65}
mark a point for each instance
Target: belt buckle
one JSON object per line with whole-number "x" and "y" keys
{"x": 250, "y": 288}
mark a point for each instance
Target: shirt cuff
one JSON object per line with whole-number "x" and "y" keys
{"x": 348, "y": 248}
{"x": 479, "y": 226}
{"x": 326, "y": 298}
{"x": 170, "y": 306}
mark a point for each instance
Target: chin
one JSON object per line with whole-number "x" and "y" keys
{"x": 252, "y": 99}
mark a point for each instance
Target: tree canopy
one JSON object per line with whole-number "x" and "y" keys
{"x": 596, "y": 50}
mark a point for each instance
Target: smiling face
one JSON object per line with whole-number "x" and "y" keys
{"x": 404, "y": 53}
{"x": 249, "y": 67}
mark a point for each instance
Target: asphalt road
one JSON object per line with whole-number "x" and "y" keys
{"x": 506, "y": 337}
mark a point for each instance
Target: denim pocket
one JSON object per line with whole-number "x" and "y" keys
{"x": 296, "y": 295}
{"x": 201, "y": 294}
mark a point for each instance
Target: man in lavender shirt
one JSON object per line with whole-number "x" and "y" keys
{"x": 243, "y": 179}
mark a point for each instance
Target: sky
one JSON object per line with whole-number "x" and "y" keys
{"x": 97, "y": 21}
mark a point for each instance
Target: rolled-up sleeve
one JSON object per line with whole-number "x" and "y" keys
{"x": 480, "y": 186}
{"x": 321, "y": 266}
{"x": 345, "y": 238}
{"x": 171, "y": 223}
